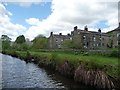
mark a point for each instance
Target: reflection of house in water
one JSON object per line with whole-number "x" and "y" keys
{"x": 85, "y": 39}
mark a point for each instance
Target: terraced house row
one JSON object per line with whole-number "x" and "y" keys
{"x": 85, "y": 39}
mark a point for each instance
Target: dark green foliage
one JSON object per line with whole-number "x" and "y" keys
{"x": 40, "y": 42}
{"x": 20, "y": 39}
{"x": 67, "y": 44}
{"x": 5, "y": 42}
{"x": 115, "y": 53}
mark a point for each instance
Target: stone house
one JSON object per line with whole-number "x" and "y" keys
{"x": 84, "y": 39}
{"x": 55, "y": 40}
{"x": 114, "y": 37}
{"x": 90, "y": 39}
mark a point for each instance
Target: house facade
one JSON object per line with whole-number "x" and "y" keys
{"x": 85, "y": 39}
{"x": 55, "y": 40}
{"x": 114, "y": 37}
{"x": 90, "y": 39}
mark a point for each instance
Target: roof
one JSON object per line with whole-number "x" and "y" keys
{"x": 116, "y": 29}
{"x": 90, "y": 32}
{"x": 60, "y": 36}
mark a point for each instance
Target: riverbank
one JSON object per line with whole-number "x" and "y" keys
{"x": 94, "y": 70}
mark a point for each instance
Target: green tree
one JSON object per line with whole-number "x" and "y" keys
{"x": 21, "y": 43}
{"x": 77, "y": 42}
{"x": 67, "y": 44}
{"x": 20, "y": 39}
{"x": 40, "y": 42}
{"x": 5, "y": 42}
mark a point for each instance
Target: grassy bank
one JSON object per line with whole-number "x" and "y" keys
{"x": 107, "y": 64}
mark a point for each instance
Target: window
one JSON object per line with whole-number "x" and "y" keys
{"x": 97, "y": 44}
{"x": 84, "y": 37}
{"x": 94, "y": 38}
{"x": 94, "y": 45}
{"x": 118, "y": 35}
{"x": 56, "y": 40}
{"x": 70, "y": 38}
{"x": 100, "y": 38}
{"x": 61, "y": 40}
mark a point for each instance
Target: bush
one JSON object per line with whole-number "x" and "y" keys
{"x": 114, "y": 53}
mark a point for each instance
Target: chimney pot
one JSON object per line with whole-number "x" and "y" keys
{"x": 60, "y": 33}
{"x": 75, "y": 28}
{"x": 86, "y": 29}
{"x": 51, "y": 33}
{"x": 99, "y": 30}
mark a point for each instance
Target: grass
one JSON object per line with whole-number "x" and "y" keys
{"x": 108, "y": 64}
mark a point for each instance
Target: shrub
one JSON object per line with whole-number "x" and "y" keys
{"x": 114, "y": 53}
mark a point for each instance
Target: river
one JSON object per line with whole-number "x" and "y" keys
{"x": 16, "y": 73}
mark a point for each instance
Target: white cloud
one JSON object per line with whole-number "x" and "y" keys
{"x": 32, "y": 21}
{"x": 26, "y": 3}
{"x": 68, "y": 13}
{"x": 6, "y": 26}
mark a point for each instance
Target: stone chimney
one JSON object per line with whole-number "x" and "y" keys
{"x": 86, "y": 29}
{"x": 99, "y": 30}
{"x": 68, "y": 34}
{"x": 75, "y": 28}
{"x": 60, "y": 33}
{"x": 51, "y": 33}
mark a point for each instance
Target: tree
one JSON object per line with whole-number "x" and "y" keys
{"x": 40, "y": 42}
{"x": 5, "y": 38}
{"x": 5, "y": 42}
{"x": 21, "y": 43}
{"x": 20, "y": 39}
{"x": 77, "y": 42}
{"x": 67, "y": 44}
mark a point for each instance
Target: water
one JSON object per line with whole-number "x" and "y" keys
{"x": 16, "y": 73}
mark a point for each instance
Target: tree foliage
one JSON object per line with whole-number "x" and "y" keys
{"x": 67, "y": 44}
{"x": 5, "y": 42}
{"x": 20, "y": 39}
{"x": 76, "y": 42}
{"x": 40, "y": 42}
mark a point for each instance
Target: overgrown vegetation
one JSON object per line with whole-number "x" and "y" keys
{"x": 94, "y": 62}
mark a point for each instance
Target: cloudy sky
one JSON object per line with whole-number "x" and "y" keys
{"x": 34, "y": 17}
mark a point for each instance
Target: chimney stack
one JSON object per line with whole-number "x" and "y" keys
{"x": 75, "y": 28}
{"x": 51, "y": 33}
{"x": 68, "y": 34}
{"x": 99, "y": 30}
{"x": 60, "y": 33}
{"x": 86, "y": 29}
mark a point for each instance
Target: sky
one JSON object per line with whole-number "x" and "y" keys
{"x": 33, "y": 17}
